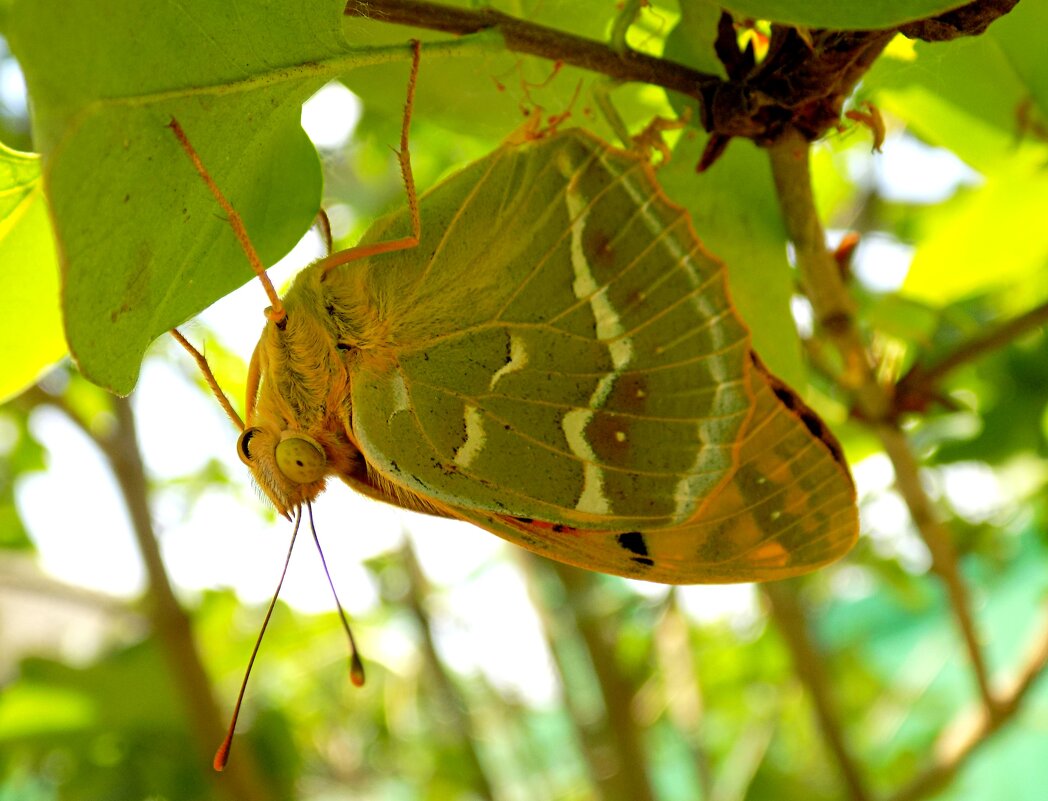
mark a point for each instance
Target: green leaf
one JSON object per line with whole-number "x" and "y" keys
{"x": 991, "y": 237}
{"x": 31, "y": 336}
{"x": 982, "y": 98}
{"x": 844, "y": 14}
{"x": 142, "y": 243}
{"x": 971, "y": 95}
{"x": 735, "y": 214}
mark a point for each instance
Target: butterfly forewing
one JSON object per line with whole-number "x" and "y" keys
{"x": 581, "y": 362}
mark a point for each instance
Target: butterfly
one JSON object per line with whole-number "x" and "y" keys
{"x": 541, "y": 346}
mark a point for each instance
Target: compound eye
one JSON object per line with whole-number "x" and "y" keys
{"x": 244, "y": 445}
{"x": 301, "y": 459}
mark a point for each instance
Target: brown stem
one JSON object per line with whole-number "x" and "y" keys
{"x": 919, "y": 385}
{"x": 169, "y": 620}
{"x": 683, "y": 692}
{"x": 940, "y": 544}
{"x": 802, "y": 83}
{"x": 808, "y": 664}
{"x": 538, "y": 40}
{"x": 617, "y": 691}
{"x": 834, "y": 312}
{"x": 610, "y": 742}
{"x": 455, "y": 706}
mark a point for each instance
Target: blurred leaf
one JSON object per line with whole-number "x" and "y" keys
{"x": 990, "y": 237}
{"x": 908, "y": 320}
{"x": 846, "y": 14}
{"x": 967, "y": 95}
{"x": 20, "y": 454}
{"x": 1012, "y": 391}
{"x": 31, "y": 337}
{"x": 972, "y": 97}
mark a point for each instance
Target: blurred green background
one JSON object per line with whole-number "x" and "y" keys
{"x": 135, "y": 561}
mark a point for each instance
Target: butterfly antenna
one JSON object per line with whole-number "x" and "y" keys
{"x": 209, "y": 377}
{"x": 404, "y": 158}
{"x": 222, "y": 755}
{"x": 323, "y": 226}
{"x": 356, "y": 666}
{"x": 276, "y": 310}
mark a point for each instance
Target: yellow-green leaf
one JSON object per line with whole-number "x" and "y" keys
{"x": 31, "y": 336}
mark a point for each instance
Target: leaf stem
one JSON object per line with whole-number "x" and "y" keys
{"x": 808, "y": 663}
{"x": 920, "y": 383}
{"x": 835, "y": 315}
{"x": 522, "y": 36}
{"x": 970, "y": 729}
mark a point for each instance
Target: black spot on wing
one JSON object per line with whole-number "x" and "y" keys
{"x": 633, "y": 541}
{"x": 792, "y": 401}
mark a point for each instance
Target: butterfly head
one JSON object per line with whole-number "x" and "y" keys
{"x": 288, "y": 465}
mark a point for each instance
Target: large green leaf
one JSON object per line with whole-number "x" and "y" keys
{"x": 844, "y": 14}
{"x": 978, "y": 97}
{"x": 143, "y": 245}
{"x": 993, "y": 237}
{"x": 31, "y": 336}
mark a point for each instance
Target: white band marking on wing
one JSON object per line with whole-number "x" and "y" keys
{"x": 518, "y": 360}
{"x": 468, "y": 451}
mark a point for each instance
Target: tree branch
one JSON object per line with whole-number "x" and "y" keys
{"x": 169, "y": 621}
{"x": 808, "y": 664}
{"x": 455, "y": 706}
{"x": 917, "y": 388}
{"x": 538, "y": 40}
{"x": 834, "y": 313}
{"x": 802, "y": 82}
{"x": 611, "y": 741}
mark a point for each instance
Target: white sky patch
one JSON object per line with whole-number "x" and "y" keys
{"x": 75, "y": 513}
{"x": 733, "y": 603}
{"x": 884, "y": 518}
{"x": 514, "y": 656}
{"x": 910, "y": 171}
{"x": 973, "y": 490}
{"x": 330, "y": 116}
{"x": 12, "y": 88}
{"x": 881, "y": 262}
{"x": 803, "y": 316}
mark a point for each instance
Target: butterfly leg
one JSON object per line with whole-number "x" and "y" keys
{"x": 404, "y": 157}
{"x": 276, "y": 310}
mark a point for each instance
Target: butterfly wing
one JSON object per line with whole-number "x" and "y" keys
{"x": 559, "y": 346}
{"x": 786, "y": 509}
